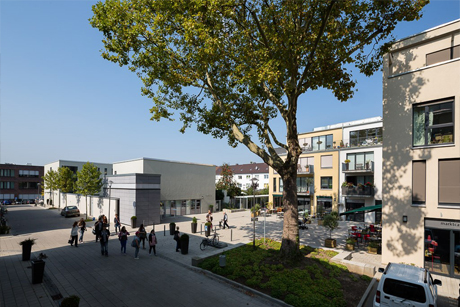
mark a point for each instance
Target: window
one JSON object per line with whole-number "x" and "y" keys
{"x": 433, "y": 124}
{"x": 449, "y": 182}
{"x": 6, "y": 173}
{"x": 365, "y": 137}
{"x": 326, "y": 183}
{"x": 418, "y": 182}
{"x": 27, "y": 173}
{"x": 443, "y": 55}
{"x": 303, "y": 162}
{"x": 256, "y": 176}
{"x": 248, "y": 176}
{"x": 326, "y": 161}
{"x": 6, "y": 185}
{"x": 265, "y": 176}
{"x": 240, "y": 177}
{"x": 322, "y": 142}
{"x": 274, "y": 184}
{"x": 360, "y": 161}
{"x": 281, "y": 185}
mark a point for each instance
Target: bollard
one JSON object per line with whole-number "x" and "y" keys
{"x": 231, "y": 234}
{"x": 164, "y": 230}
{"x": 222, "y": 261}
{"x": 201, "y": 229}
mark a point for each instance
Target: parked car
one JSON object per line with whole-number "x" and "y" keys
{"x": 406, "y": 285}
{"x": 70, "y": 211}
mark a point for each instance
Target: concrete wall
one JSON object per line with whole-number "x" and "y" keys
{"x": 404, "y": 242}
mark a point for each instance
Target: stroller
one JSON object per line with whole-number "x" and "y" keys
{"x": 303, "y": 224}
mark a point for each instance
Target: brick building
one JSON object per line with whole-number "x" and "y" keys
{"x": 20, "y": 182}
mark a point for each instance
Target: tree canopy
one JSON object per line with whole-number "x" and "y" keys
{"x": 89, "y": 181}
{"x": 51, "y": 182}
{"x": 249, "y": 62}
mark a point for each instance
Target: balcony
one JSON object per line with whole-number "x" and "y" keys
{"x": 367, "y": 167}
{"x": 358, "y": 191}
{"x": 306, "y": 190}
{"x": 305, "y": 169}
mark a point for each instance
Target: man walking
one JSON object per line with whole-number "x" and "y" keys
{"x": 225, "y": 220}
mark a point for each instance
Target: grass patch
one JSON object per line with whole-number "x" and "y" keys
{"x": 311, "y": 280}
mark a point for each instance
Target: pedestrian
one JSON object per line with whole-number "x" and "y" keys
{"x": 123, "y": 237}
{"x": 136, "y": 245}
{"x": 209, "y": 218}
{"x": 116, "y": 222}
{"x": 105, "y": 222}
{"x": 74, "y": 234}
{"x": 82, "y": 225}
{"x": 225, "y": 220}
{"x": 177, "y": 237}
{"x": 98, "y": 227}
{"x": 105, "y": 234}
{"x": 142, "y": 235}
{"x": 152, "y": 242}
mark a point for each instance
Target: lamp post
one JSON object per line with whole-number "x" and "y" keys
{"x": 110, "y": 190}
{"x": 254, "y": 187}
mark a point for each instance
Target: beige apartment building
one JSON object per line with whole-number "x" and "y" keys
{"x": 421, "y": 151}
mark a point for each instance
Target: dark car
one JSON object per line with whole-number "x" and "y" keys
{"x": 70, "y": 211}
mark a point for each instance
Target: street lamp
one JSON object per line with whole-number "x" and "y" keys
{"x": 110, "y": 190}
{"x": 254, "y": 181}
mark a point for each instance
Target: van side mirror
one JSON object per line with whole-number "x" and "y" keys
{"x": 437, "y": 282}
{"x": 381, "y": 270}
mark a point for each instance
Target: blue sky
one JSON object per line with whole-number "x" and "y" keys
{"x": 60, "y": 100}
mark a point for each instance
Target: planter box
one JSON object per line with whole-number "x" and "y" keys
{"x": 194, "y": 226}
{"x": 330, "y": 243}
{"x": 350, "y": 247}
{"x": 26, "y": 249}
{"x": 133, "y": 223}
{"x": 372, "y": 250}
{"x": 172, "y": 228}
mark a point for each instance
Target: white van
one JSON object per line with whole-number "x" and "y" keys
{"x": 406, "y": 285}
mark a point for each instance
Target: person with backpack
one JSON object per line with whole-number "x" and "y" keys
{"x": 142, "y": 235}
{"x": 136, "y": 244}
{"x": 123, "y": 237}
{"x": 177, "y": 238}
{"x": 152, "y": 242}
{"x": 104, "y": 238}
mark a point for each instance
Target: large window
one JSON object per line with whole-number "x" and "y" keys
{"x": 326, "y": 161}
{"x": 6, "y": 185}
{"x": 360, "y": 161}
{"x": 418, "y": 182}
{"x": 449, "y": 182}
{"x": 365, "y": 137}
{"x": 304, "y": 162}
{"x": 6, "y": 172}
{"x": 27, "y": 173}
{"x": 433, "y": 124}
{"x": 322, "y": 142}
{"x": 443, "y": 55}
{"x": 326, "y": 183}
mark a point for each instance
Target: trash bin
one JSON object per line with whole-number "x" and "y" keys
{"x": 222, "y": 261}
{"x": 38, "y": 268}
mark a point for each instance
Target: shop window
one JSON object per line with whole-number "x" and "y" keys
{"x": 418, "y": 182}
{"x": 433, "y": 124}
{"x": 449, "y": 182}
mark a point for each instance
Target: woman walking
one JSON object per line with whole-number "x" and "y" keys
{"x": 123, "y": 237}
{"x": 74, "y": 234}
{"x": 105, "y": 234}
{"x": 136, "y": 245}
{"x": 177, "y": 238}
{"x": 82, "y": 225}
{"x": 152, "y": 242}
{"x": 142, "y": 235}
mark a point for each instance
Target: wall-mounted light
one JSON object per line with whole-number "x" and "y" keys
{"x": 404, "y": 218}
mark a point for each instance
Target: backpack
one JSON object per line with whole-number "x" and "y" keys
{"x": 133, "y": 243}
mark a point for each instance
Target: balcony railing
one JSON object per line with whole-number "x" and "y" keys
{"x": 306, "y": 189}
{"x": 358, "y": 191}
{"x": 359, "y": 167}
{"x": 306, "y": 169}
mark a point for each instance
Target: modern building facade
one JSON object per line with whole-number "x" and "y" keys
{"x": 361, "y": 170}
{"x": 243, "y": 173}
{"x": 421, "y": 150}
{"x": 20, "y": 183}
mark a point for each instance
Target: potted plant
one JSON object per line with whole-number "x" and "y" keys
{"x": 4, "y": 229}
{"x": 350, "y": 185}
{"x": 347, "y": 163}
{"x": 207, "y": 229}
{"x": 211, "y": 207}
{"x": 350, "y": 244}
{"x": 133, "y": 221}
{"x": 341, "y": 143}
{"x": 373, "y": 248}
{"x": 26, "y": 248}
{"x": 331, "y": 223}
{"x": 307, "y": 168}
{"x": 255, "y": 210}
{"x": 184, "y": 239}
{"x": 194, "y": 224}
{"x": 172, "y": 228}
{"x": 71, "y": 301}
{"x": 319, "y": 215}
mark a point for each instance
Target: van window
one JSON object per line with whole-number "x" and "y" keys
{"x": 405, "y": 290}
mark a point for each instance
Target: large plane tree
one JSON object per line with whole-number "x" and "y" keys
{"x": 231, "y": 66}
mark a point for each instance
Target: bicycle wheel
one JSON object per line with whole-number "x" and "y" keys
{"x": 215, "y": 240}
{"x": 203, "y": 245}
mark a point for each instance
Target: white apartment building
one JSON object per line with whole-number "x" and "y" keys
{"x": 243, "y": 173}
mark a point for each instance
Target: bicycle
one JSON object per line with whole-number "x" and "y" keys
{"x": 212, "y": 242}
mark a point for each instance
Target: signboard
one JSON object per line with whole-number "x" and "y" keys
{"x": 443, "y": 224}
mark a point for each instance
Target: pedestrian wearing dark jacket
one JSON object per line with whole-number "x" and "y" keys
{"x": 104, "y": 238}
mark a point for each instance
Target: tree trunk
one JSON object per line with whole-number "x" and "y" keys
{"x": 290, "y": 240}
{"x": 86, "y": 201}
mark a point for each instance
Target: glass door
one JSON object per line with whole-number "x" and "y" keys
{"x": 456, "y": 253}
{"x": 438, "y": 251}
